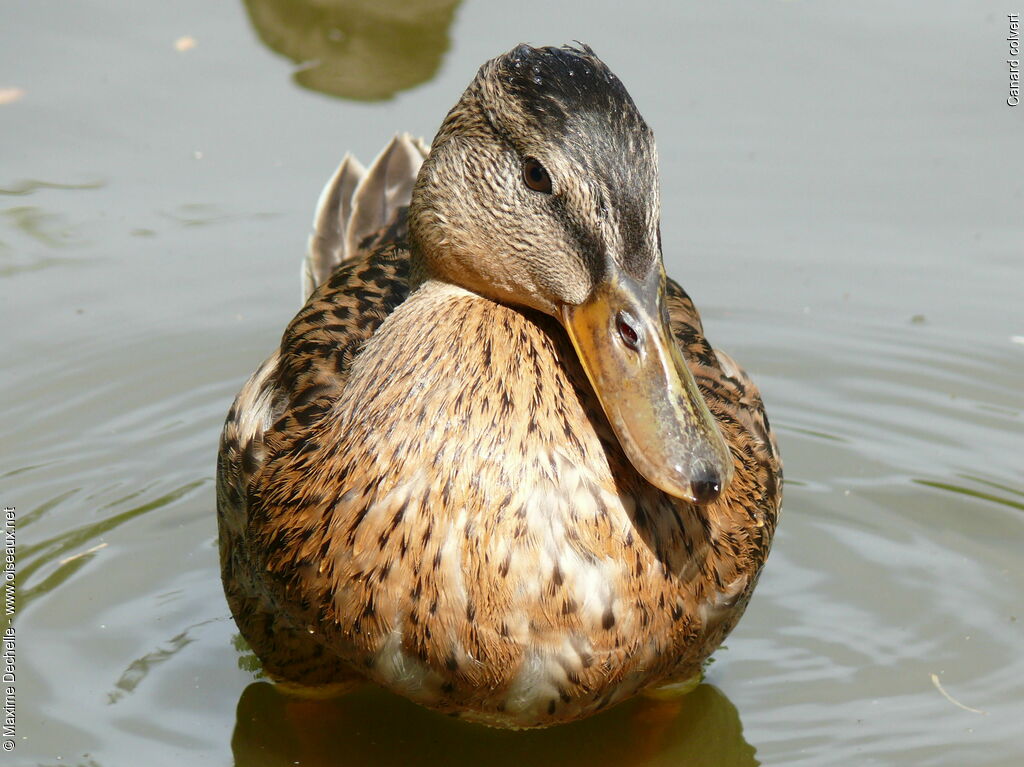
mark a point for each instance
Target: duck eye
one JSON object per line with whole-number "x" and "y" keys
{"x": 535, "y": 177}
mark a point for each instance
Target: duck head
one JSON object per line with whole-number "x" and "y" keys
{"x": 541, "y": 191}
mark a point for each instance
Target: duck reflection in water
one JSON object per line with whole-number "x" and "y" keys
{"x": 372, "y": 727}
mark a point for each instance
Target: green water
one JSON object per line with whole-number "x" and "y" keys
{"x": 843, "y": 196}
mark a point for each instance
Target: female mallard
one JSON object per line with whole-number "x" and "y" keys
{"x": 494, "y": 465}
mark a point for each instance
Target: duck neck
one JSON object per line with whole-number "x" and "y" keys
{"x": 419, "y": 271}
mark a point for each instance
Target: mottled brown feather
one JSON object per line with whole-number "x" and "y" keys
{"x": 315, "y": 581}
{"x": 420, "y": 488}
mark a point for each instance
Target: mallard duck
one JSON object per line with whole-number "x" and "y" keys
{"x": 494, "y": 465}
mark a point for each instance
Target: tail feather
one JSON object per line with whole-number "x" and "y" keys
{"x": 386, "y": 187}
{"x": 357, "y": 202}
{"x": 334, "y": 208}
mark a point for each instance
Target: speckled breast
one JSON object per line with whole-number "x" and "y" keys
{"x": 473, "y": 537}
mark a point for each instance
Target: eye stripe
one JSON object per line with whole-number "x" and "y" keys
{"x": 589, "y": 242}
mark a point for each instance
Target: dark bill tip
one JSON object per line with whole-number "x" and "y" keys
{"x": 706, "y": 488}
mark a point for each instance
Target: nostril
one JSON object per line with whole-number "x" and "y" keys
{"x": 627, "y": 331}
{"x": 707, "y": 488}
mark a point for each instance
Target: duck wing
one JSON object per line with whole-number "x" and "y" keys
{"x": 735, "y": 401}
{"x": 354, "y": 275}
{"x": 358, "y": 247}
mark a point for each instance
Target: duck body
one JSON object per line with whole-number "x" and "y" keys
{"x": 420, "y": 488}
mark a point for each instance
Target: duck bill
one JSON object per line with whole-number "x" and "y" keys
{"x": 652, "y": 402}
